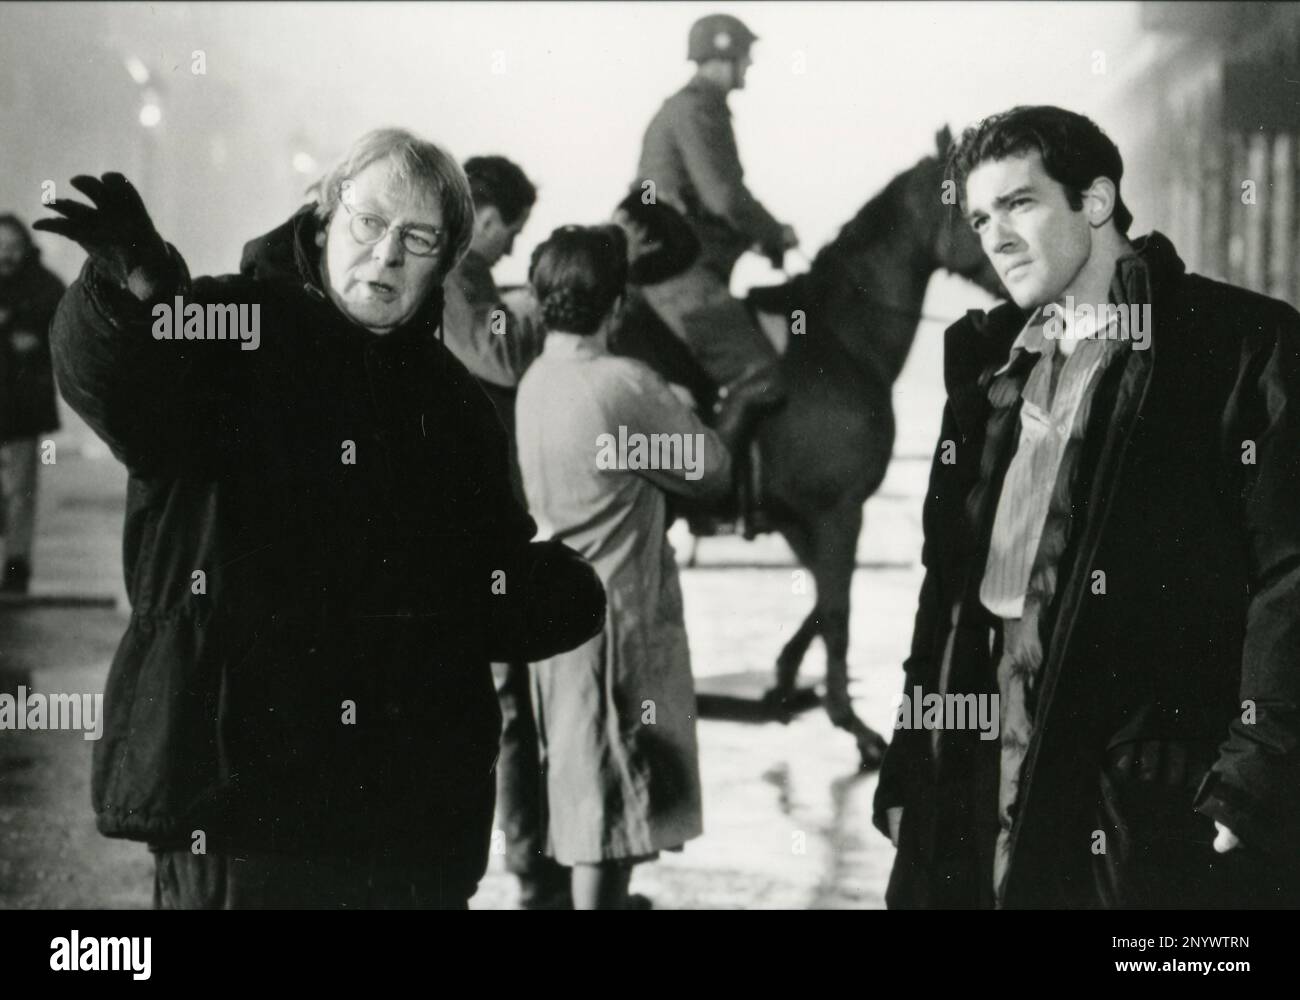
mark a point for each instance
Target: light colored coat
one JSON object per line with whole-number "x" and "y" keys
{"x": 479, "y": 326}
{"x": 616, "y": 716}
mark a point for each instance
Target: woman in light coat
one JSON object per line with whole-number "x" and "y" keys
{"x": 601, "y": 438}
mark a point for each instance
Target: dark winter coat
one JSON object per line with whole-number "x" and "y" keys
{"x": 324, "y": 686}
{"x": 1200, "y": 615}
{"x": 28, "y": 404}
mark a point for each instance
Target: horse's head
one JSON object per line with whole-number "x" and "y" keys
{"x": 879, "y": 266}
{"x": 952, "y": 244}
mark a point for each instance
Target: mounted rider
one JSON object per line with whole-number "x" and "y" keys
{"x": 689, "y": 160}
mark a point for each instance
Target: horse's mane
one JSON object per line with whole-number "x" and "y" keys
{"x": 884, "y": 214}
{"x": 852, "y": 262}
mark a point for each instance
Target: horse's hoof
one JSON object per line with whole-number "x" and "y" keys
{"x": 871, "y": 750}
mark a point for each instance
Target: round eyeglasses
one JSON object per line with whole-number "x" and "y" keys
{"x": 368, "y": 228}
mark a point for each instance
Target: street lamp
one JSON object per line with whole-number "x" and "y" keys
{"x": 150, "y": 110}
{"x": 149, "y": 115}
{"x": 138, "y": 70}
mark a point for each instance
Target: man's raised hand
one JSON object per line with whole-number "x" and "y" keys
{"x": 117, "y": 232}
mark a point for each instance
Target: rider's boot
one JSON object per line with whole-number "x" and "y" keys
{"x": 759, "y": 389}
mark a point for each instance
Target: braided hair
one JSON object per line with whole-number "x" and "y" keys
{"x": 577, "y": 275}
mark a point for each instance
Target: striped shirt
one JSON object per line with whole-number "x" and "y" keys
{"x": 1053, "y": 396}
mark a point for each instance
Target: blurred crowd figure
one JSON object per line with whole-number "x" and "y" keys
{"x": 497, "y": 342}
{"x": 616, "y": 715}
{"x": 586, "y": 787}
{"x": 29, "y": 295}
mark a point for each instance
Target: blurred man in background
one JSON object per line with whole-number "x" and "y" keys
{"x": 29, "y": 295}
{"x": 497, "y": 345}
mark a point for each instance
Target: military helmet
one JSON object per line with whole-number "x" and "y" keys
{"x": 719, "y": 36}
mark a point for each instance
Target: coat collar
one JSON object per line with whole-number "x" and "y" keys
{"x": 1034, "y": 338}
{"x": 1150, "y": 268}
{"x": 980, "y": 345}
{"x": 705, "y": 88}
{"x": 1031, "y": 340}
{"x": 563, "y": 345}
{"x": 974, "y": 347}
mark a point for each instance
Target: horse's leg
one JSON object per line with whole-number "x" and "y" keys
{"x": 834, "y": 560}
{"x": 792, "y": 654}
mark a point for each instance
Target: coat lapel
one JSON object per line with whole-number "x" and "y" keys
{"x": 973, "y": 350}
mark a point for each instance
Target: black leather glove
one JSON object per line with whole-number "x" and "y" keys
{"x": 564, "y": 606}
{"x": 116, "y": 233}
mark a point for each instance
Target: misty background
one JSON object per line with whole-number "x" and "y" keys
{"x": 841, "y": 98}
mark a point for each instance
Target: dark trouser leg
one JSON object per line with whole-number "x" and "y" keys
{"x": 520, "y": 795}
{"x": 699, "y": 308}
{"x": 254, "y": 881}
{"x": 18, "y": 470}
{"x": 601, "y": 886}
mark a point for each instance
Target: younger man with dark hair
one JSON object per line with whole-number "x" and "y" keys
{"x": 1114, "y": 554}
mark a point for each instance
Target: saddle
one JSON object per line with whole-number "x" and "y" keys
{"x": 642, "y": 335}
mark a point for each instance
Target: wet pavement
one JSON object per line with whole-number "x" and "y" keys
{"x": 786, "y": 811}
{"x": 62, "y": 641}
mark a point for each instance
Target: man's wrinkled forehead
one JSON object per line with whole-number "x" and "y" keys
{"x": 992, "y": 184}
{"x": 382, "y": 187}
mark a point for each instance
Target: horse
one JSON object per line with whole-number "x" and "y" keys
{"x": 825, "y": 451}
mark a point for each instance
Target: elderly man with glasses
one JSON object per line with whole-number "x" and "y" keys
{"x": 322, "y": 549}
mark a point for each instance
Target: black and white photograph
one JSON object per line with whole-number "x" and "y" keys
{"x": 767, "y": 456}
